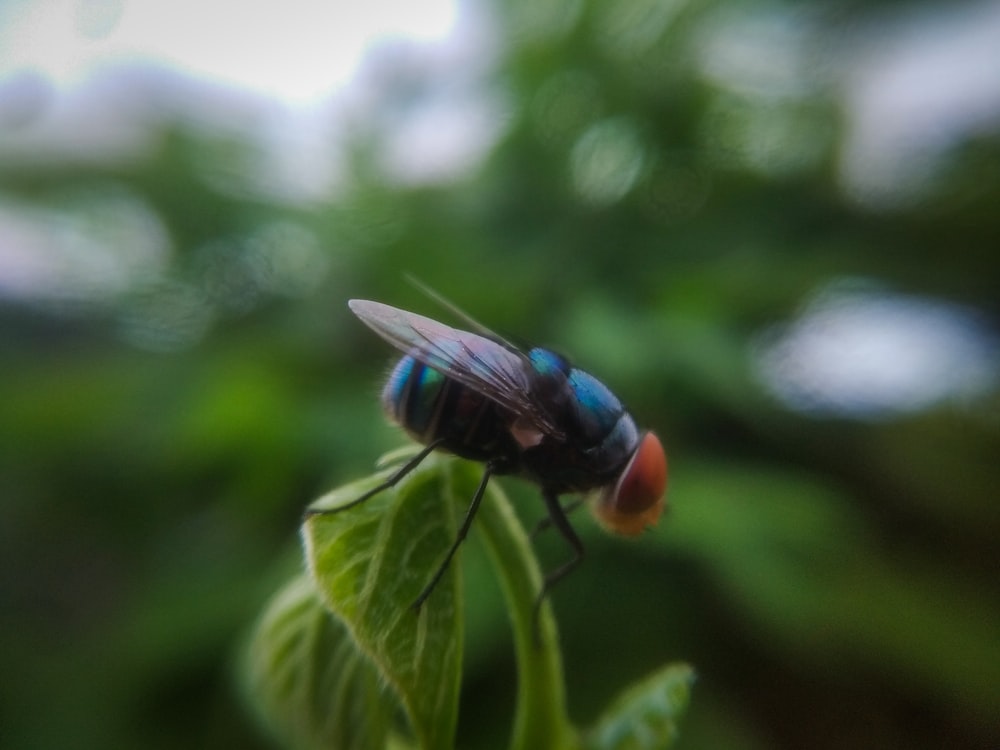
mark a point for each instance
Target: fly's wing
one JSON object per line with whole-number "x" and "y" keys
{"x": 501, "y": 374}
{"x": 459, "y": 313}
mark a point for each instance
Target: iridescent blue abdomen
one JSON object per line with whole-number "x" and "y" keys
{"x": 431, "y": 406}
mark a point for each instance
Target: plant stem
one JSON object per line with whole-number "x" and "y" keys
{"x": 540, "y": 716}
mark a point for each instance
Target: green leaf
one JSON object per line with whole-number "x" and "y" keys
{"x": 540, "y": 719}
{"x": 370, "y": 562}
{"x": 307, "y": 680}
{"x": 645, "y": 716}
{"x": 318, "y": 675}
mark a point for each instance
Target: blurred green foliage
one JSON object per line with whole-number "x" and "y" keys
{"x": 164, "y": 424}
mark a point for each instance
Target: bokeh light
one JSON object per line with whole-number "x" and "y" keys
{"x": 863, "y": 352}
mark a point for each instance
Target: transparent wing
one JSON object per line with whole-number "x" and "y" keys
{"x": 501, "y": 374}
{"x": 459, "y": 313}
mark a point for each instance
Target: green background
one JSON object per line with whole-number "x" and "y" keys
{"x": 831, "y": 575}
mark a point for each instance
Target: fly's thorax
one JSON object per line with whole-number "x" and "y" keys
{"x": 611, "y": 455}
{"x": 598, "y": 412}
{"x": 548, "y": 363}
{"x": 587, "y": 408}
{"x": 597, "y": 435}
{"x": 569, "y": 466}
{"x": 550, "y": 382}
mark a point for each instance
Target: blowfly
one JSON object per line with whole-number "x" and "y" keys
{"x": 530, "y": 414}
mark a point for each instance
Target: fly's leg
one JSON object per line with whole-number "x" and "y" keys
{"x": 459, "y": 538}
{"x": 546, "y": 522}
{"x": 557, "y": 515}
{"x": 401, "y": 472}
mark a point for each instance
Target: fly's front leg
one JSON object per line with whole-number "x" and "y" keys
{"x": 459, "y": 538}
{"x": 546, "y": 522}
{"x": 557, "y": 516}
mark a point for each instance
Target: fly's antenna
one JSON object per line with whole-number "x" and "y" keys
{"x": 458, "y": 312}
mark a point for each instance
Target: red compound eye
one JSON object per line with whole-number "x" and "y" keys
{"x": 636, "y": 500}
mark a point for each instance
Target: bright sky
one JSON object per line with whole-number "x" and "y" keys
{"x": 228, "y": 64}
{"x": 296, "y": 51}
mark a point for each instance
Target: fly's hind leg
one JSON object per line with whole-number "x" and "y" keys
{"x": 391, "y": 481}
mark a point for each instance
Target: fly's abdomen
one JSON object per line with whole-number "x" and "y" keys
{"x": 411, "y": 396}
{"x": 431, "y": 406}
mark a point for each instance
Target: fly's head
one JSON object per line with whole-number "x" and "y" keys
{"x": 636, "y": 499}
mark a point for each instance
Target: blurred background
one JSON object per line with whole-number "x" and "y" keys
{"x": 772, "y": 228}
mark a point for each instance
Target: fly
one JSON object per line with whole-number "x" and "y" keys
{"x": 530, "y": 414}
